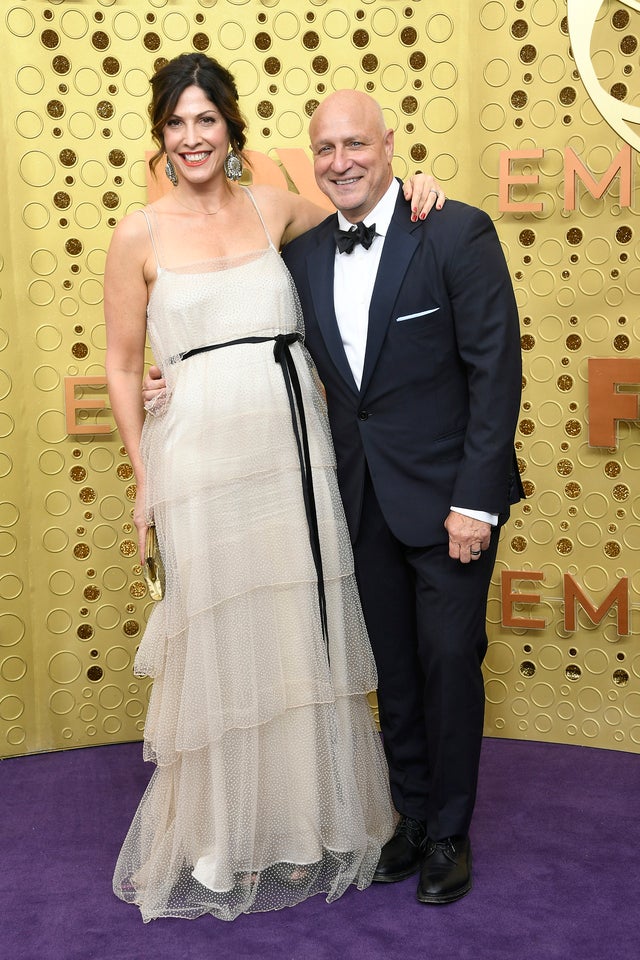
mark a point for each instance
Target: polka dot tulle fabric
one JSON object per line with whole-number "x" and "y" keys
{"x": 271, "y": 785}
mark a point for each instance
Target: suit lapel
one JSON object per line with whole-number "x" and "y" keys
{"x": 399, "y": 247}
{"x": 320, "y": 270}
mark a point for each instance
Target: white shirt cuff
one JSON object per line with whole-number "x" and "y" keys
{"x": 491, "y": 518}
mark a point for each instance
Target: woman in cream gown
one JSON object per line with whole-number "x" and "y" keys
{"x": 271, "y": 783}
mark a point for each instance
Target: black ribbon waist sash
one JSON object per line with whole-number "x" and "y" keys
{"x": 283, "y": 356}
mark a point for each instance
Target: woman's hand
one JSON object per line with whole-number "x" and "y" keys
{"x": 424, "y": 193}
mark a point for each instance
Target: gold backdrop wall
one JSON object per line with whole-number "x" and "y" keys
{"x": 460, "y": 82}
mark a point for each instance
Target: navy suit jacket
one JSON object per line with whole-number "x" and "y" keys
{"x": 436, "y": 412}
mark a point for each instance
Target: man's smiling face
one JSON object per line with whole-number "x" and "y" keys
{"x": 352, "y": 152}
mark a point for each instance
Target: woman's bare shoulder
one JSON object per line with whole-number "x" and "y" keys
{"x": 292, "y": 213}
{"x": 269, "y": 196}
{"x": 132, "y": 228}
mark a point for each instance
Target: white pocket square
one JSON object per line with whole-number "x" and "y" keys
{"x": 412, "y": 316}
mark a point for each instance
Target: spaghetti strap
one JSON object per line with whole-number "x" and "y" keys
{"x": 146, "y": 214}
{"x": 253, "y": 201}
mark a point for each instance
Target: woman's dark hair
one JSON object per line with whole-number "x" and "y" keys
{"x": 188, "y": 70}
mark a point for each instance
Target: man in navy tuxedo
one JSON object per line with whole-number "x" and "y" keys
{"x": 413, "y": 327}
{"x": 414, "y": 330}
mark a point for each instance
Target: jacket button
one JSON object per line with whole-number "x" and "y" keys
{"x": 363, "y": 415}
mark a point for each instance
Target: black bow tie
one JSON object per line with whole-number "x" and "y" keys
{"x": 347, "y": 239}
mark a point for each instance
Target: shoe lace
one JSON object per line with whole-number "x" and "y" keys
{"x": 447, "y": 846}
{"x": 413, "y": 830}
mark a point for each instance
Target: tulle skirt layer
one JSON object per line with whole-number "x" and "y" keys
{"x": 262, "y": 819}
{"x": 271, "y": 783}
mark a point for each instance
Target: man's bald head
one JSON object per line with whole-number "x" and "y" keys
{"x": 352, "y": 151}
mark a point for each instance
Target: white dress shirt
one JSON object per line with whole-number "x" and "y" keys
{"x": 353, "y": 281}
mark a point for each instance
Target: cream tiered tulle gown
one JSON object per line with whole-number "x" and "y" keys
{"x": 271, "y": 784}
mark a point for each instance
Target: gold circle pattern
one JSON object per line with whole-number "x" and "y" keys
{"x": 575, "y": 296}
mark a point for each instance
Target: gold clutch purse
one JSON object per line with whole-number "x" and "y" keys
{"x": 153, "y": 568}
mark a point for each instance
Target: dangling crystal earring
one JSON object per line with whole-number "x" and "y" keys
{"x": 170, "y": 171}
{"x": 233, "y": 166}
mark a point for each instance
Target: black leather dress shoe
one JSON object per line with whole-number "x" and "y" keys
{"x": 402, "y": 855}
{"x": 446, "y": 870}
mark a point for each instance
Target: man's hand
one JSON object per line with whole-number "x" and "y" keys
{"x": 468, "y": 537}
{"x": 153, "y": 386}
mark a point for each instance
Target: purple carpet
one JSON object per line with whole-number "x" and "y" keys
{"x": 557, "y": 871}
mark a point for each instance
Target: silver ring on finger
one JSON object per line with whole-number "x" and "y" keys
{"x": 475, "y": 553}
